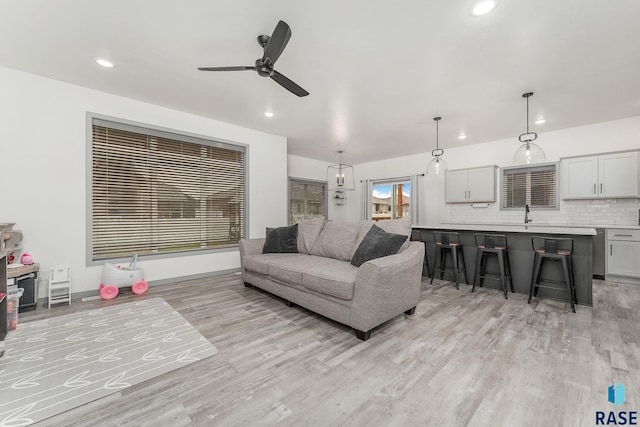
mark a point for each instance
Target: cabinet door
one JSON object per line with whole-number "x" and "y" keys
{"x": 481, "y": 185}
{"x": 456, "y": 186}
{"x": 580, "y": 178}
{"x": 622, "y": 258}
{"x": 618, "y": 175}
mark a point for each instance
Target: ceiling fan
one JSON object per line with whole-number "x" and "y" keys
{"x": 273, "y": 46}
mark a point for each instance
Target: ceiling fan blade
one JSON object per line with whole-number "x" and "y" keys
{"x": 288, "y": 84}
{"x": 241, "y": 68}
{"x": 277, "y": 42}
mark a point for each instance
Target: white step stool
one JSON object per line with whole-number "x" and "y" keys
{"x": 59, "y": 285}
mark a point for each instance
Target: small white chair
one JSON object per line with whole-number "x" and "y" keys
{"x": 59, "y": 285}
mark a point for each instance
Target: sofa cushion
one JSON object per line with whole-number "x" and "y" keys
{"x": 376, "y": 244}
{"x": 335, "y": 278}
{"x": 259, "y": 262}
{"x": 288, "y": 268}
{"x": 281, "y": 240}
{"x": 308, "y": 232}
{"x": 336, "y": 240}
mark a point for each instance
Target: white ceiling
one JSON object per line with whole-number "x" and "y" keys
{"x": 378, "y": 71}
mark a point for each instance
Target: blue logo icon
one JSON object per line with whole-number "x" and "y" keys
{"x": 616, "y": 394}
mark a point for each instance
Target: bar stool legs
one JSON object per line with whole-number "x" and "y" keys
{"x": 551, "y": 249}
{"x": 488, "y": 244}
{"x": 449, "y": 243}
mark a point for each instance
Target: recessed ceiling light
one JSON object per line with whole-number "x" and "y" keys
{"x": 462, "y": 136}
{"x": 483, "y": 7}
{"x": 104, "y": 62}
{"x": 540, "y": 121}
{"x": 268, "y": 114}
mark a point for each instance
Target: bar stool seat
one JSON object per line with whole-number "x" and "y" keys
{"x": 418, "y": 236}
{"x": 557, "y": 250}
{"x": 492, "y": 244}
{"x": 448, "y": 242}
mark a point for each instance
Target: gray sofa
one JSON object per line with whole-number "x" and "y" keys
{"x": 321, "y": 278}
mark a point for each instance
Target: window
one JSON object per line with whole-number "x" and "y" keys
{"x": 529, "y": 185}
{"x": 307, "y": 199}
{"x": 390, "y": 199}
{"x": 158, "y": 192}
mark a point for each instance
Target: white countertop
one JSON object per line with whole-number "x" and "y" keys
{"x": 517, "y": 228}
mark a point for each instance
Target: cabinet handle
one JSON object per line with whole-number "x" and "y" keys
{"x": 623, "y": 235}
{"x": 600, "y": 188}
{"x": 469, "y": 194}
{"x": 610, "y": 249}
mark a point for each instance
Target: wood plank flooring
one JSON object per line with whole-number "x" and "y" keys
{"x": 462, "y": 359}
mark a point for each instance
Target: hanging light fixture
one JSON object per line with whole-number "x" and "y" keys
{"x": 437, "y": 165}
{"x": 340, "y": 176}
{"x": 340, "y": 179}
{"x": 528, "y": 152}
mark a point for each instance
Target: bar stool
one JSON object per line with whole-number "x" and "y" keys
{"x": 488, "y": 244}
{"x": 558, "y": 250}
{"x": 448, "y": 242}
{"x": 417, "y": 236}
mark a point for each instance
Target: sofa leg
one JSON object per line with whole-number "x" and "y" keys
{"x": 410, "y": 311}
{"x": 363, "y": 335}
{"x": 248, "y": 285}
{"x": 288, "y": 303}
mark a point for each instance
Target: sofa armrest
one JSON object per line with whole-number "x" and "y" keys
{"x": 386, "y": 287}
{"x": 250, "y": 246}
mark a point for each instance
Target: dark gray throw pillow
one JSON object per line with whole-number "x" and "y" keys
{"x": 281, "y": 240}
{"x": 376, "y": 244}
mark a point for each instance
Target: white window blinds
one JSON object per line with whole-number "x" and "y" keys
{"x": 158, "y": 192}
{"x": 535, "y": 186}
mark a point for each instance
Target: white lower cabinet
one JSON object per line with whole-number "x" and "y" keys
{"x": 623, "y": 255}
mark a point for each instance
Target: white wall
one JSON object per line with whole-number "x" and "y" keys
{"x": 43, "y": 150}
{"x": 596, "y": 138}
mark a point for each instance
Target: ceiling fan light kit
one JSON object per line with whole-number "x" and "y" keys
{"x": 437, "y": 165}
{"x": 528, "y": 152}
{"x": 273, "y": 46}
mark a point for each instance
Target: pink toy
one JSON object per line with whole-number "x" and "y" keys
{"x": 115, "y": 276}
{"x": 26, "y": 259}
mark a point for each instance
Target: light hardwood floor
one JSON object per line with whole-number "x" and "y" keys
{"x": 462, "y": 359}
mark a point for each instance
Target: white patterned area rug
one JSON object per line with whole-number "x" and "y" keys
{"x": 53, "y": 365}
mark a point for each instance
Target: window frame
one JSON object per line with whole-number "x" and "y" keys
{"x": 295, "y": 180}
{"x": 555, "y": 165}
{"x": 393, "y": 182}
{"x": 165, "y": 133}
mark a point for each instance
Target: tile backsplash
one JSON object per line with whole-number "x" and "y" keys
{"x": 571, "y": 212}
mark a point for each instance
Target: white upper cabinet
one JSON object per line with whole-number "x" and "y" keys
{"x": 612, "y": 175}
{"x": 471, "y": 185}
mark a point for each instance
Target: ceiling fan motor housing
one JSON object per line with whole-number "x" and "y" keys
{"x": 263, "y": 68}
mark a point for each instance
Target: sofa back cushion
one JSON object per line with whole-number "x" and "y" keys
{"x": 395, "y": 226}
{"x": 308, "y": 232}
{"x": 336, "y": 240}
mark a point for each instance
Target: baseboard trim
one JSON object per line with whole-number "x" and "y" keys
{"x": 78, "y": 296}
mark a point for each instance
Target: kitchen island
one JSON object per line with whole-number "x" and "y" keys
{"x": 521, "y": 255}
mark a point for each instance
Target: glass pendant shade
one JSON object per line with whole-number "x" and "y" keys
{"x": 340, "y": 177}
{"x": 437, "y": 166}
{"x": 529, "y": 153}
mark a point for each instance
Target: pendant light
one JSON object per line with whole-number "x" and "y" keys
{"x": 340, "y": 176}
{"x": 528, "y": 152}
{"x": 437, "y": 165}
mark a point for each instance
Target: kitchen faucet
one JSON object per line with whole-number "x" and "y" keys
{"x": 526, "y": 215}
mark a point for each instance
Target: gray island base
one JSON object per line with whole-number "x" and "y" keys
{"x": 521, "y": 257}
